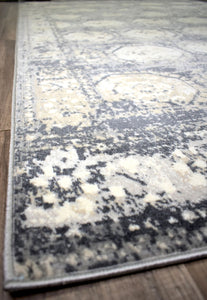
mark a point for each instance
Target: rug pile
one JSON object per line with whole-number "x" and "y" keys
{"x": 108, "y": 152}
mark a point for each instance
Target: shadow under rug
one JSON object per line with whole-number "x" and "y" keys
{"x": 108, "y": 151}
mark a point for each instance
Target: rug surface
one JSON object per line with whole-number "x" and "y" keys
{"x": 108, "y": 153}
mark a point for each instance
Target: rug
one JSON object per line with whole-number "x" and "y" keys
{"x": 108, "y": 151}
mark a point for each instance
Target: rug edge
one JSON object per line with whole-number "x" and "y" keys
{"x": 7, "y": 250}
{"x": 110, "y": 272}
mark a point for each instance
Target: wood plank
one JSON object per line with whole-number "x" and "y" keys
{"x": 8, "y": 20}
{"x": 175, "y": 282}
{"x": 198, "y": 271}
{"x": 4, "y": 157}
{"x": 3, "y": 13}
{"x": 7, "y": 49}
{"x": 137, "y": 286}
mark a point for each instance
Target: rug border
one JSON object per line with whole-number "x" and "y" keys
{"x": 14, "y": 284}
{"x": 7, "y": 252}
{"x": 109, "y": 272}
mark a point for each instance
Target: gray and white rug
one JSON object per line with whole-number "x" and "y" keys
{"x": 108, "y": 153}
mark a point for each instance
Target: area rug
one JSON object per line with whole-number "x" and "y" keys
{"x": 108, "y": 151}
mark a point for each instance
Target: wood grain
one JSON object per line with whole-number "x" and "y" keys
{"x": 184, "y": 281}
{"x": 4, "y": 158}
{"x": 198, "y": 271}
{"x": 175, "y": 282}
{"x": 6, "y": 81}
{"x": 8, "y": 19}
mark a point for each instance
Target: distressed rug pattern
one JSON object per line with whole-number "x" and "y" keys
{"x": 108, "y": 154}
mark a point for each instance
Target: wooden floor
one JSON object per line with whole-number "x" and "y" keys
{"x": 183, "y": 281}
